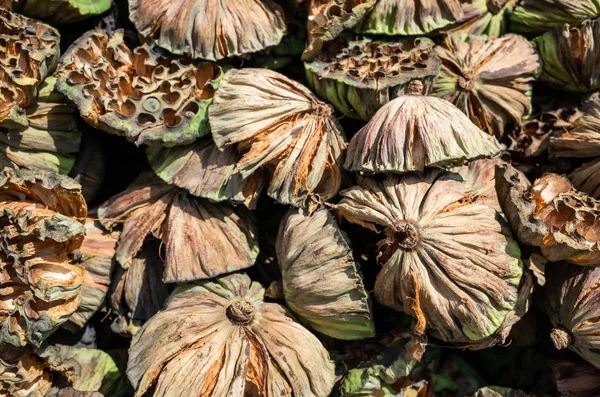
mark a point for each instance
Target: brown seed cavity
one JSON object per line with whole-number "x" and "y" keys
{"x": 406, "y": 235}
{"x": 241, "y": 312}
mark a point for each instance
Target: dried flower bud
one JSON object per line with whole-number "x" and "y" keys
{"x": 539, "y": 16}
{"x": 435, "y": 227}
{"x": 381, "y": 373}
{"x": 321, "y": 284}
{"x": 40, "y": 224}
{"x": 58, "y": 12}
{"x": 418, "y": 17}
{"x": 495, "y": 391}
{"x": 97, "y": 252}
{"x": 492, "y": 23}
{"x": 222, "y": 338}
{"x": 29, "y": 52}
{"x": 23, "y": 374}
{"x": 551, "y": 215}
{"x": 359, "y": 76}
{"x": 137, "y": 292}
{"x": 327, "y": 19}
{"x": 572, "y": 304}
{"x": 489, "y": 79}
{"x": 142, "y": 94}
{"x": 583, "y": 139}
{"x": 202, "y": 239}
{"x": 237, "y": 28}
{"x": 48, "y": 139}
{"x": 205, "y": 171}
{"x": 413, "y": 132}
{"x": 569, "y": 57}
{"x": 280, "y": 125}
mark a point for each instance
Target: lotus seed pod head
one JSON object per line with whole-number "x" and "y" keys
{"x": 535, "y": 17}
{"x": 583, "y": 138}
{"x": 494, "y": 22}
{"x": 240, "y": 27}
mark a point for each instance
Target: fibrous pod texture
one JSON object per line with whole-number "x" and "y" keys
{"x": 539, "y": 16}
{"x": 142, "y": 94}
{"x": 583, "y": 138}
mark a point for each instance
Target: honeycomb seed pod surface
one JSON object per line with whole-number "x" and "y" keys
{"x": 280, "y": 127}
{"x": 226, "y": 341}
{"x": 359, "y": 75}
{"x": 210, "y": 29}
{"x": 41, "y": 223}
{"x": 488, "y": 79}
{"x": 569, "y": 56}
{"x": 418, "y": 17}
{"x": 413, "y": 132}
{"x": 202, "y": 239}
{"x": 435, "y": 227}
{"x": 144, "y": 94}
{"x": 29, "y": 52}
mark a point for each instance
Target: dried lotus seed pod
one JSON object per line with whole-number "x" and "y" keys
{"x": 442, "y": 245}
{"x": 96, "y": 257}
{"x": 413, "y": 132}
{"x": 360, "y": 75}
{"x": 488, "y": 79}
{"x": 320, "y": 279}
{"x": 47, "y": 139}
{"x": 492, "y": 23}
{"x": 144, "y": 94}
{"x": 202, "y": 239}
{"x": 383, "y": 372}
{"x": 551, "y": 215}
{"x": 278, "y": 124}
{"x": 41, "y": 215}
{"x": 583, "y": 138}
{"x": 138, "y": 292}
{"x": 23, "y": 373}
{"x": 225, "y": 341}
{"x": 480, "y": 175}
{"x": 29, "y": 52}
{"x": 569, "y": 57}
{"x": 210, "y": 29}
{"x": 58, "y": 12}
{"x": 327, "y": 19}
{"x": 572, "y": 305}
{"x": 586, "y": 178}
{"x": 539, "y": 16}
{"x": 205, "y": 171}
{"x": 496, "y": 391}
{"x": 418, "y": 17}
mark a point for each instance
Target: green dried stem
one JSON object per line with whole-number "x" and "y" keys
{"x": 490, "y": 80}
{"x": 236, "y": 28}
{"x": 142, "y": 94}
{"x": 360, "y": 75}
{"x": 29, "y": 52}
{"x": 229, "y": 343}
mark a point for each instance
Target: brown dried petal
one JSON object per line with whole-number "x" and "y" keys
{"x": 551, "y": 215}
{"x": 572, "y": 304}
{"x": 39, "y": 227}
{"x": 320, "y": 279}
{"x": 97, "y": 252}
{"x": 202, "y": 239}
{"x": 442, "y": 246}
{"x": 209, "y": 29}
{"x": 29, "y": 52}
{"x": 583, "y": 139}
{"x": 327, "y": 19}
{"x": 219, "y": 338}
{"x": 205, "y": 171}
{"x": 279, "y": 124}
{"x": 413, "y": 132}
{"x": 488, "y": 79}
{"x": 142, "y": 94}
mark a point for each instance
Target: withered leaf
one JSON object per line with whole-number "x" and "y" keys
{"x": 488, "y": 79}
{"x": 278, "y": 124}
{"x": 219, "y": 338}
{"x": 209, "y": 29}
{"x": 320, "y": 279}
{"x": 143, "y": 94}
{"x": 202, "y": 239}
{"x": 448, "y": 259}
